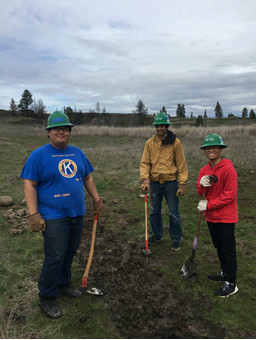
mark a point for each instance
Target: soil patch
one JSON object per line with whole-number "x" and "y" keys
{"x": 140, "y": 302}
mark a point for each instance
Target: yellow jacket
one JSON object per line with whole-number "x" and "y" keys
{"x": 164, "y": 162}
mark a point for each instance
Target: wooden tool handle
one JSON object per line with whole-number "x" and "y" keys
{"x": 200, "y": 214}
{"x": 91, "y": 248}
{"x": 146, "y": 219}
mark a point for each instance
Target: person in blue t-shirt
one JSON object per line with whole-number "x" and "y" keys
{"x": 54, "y": 179}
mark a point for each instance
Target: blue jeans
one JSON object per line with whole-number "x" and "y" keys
{"x": 61, "y": 241}
{"x": 168, "y": 190}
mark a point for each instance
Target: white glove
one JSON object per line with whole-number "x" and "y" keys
{"x": 205, "y": 181}
{"x": 202, "y": 205}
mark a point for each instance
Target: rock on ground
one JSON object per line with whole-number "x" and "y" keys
{"x": 6, "y": 201}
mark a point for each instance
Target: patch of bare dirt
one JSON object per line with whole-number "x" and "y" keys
{"x": 139, "y": 300}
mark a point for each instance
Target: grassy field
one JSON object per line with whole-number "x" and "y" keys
{"x": 115, "y": 154}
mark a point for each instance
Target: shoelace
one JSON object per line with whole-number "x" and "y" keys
{"x": 225, "y": 285}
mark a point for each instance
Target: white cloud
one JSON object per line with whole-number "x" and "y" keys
{"x": 164, "y": 52}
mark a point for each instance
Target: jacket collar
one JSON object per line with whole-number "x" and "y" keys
{"x": 170, "y": 138}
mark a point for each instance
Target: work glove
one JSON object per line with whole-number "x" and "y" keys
{"x": 98, "y": 207}
{"x": 36, "y": 222}
{"x": 181, "y": 190}
{"x": 202, "y": 205}
{"x": 206, "y": 181}
{"x": 145, "y": 186}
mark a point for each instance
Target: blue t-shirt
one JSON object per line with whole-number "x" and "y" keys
{"x": 60, "y": 176}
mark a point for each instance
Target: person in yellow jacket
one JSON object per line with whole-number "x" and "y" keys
{"x": 163, "y": 170}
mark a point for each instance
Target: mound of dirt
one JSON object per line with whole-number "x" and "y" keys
{"x": 139, "y": 300}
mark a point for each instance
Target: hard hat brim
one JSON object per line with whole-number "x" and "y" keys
{"x": 208, "y": 145}
{"x": 58, "y": 125}
{"x": 160, "y": 123}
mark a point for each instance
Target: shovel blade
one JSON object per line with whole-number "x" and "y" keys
{"x": 147, "y": 252}
{"x": 92, "y": 291}
{"x": 189, "y": 268}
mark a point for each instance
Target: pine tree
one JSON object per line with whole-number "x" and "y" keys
{"x": 245, "y": 112}
{"x": 97, "y": 108}
{"x": 199, "y": 121}
{"x": 26, "y": 101}
{"x": 218, "y": 111}
{"x": 205, "y": 114}
{"x": 181, "y": 111}
{"x": 13, "y": 106}
{"x": 163, "y": 109}
{"x": 252, "y": 114}
{"x": 141, "y": 110}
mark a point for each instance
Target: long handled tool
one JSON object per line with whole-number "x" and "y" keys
{"x": 93, "y": 291}
{"x": 189, "y": 268}
{"x": 146, "y": 251}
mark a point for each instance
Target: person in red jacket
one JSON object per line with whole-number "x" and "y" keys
{"x": 217, "y": 181}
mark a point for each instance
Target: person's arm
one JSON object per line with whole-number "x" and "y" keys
{"x": 35, "y": 219}
{"x": 31, "y": 195}
{"x": 145, "y": 164}
{"x": 91, "y": 189}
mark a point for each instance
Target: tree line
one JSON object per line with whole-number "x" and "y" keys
{"x": 28, "y": 104}
{"x": 181, "y": 112}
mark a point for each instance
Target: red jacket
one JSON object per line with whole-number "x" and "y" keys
{"x": 222, "y": 195}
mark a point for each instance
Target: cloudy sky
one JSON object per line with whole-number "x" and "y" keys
{"x": 115, "y": 52}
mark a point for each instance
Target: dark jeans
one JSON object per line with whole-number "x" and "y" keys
{"x": 223, "y": 239}
{"x": 168, "y": 190}
{"x": 61, "y": 241}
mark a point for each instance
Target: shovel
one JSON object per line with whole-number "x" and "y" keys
{"x": 189, "y": 268}
{"x": 146, "y": 251}
{"x": 93, "y": 291}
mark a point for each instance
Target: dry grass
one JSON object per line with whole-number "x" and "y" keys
{"x": 14, "y": 316}
{"x": 136, "y": 132}
{"x": 148, "y": 131}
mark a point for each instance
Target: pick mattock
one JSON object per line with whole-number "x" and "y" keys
{"x": 93, "y": 291}
{"x": 146, "y": 251}
{"x": 189, "y": 268}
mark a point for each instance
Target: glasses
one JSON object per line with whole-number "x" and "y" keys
{"x": 212, "y": 147}
{"x": 160, "y": 126}
{"x": 61, "y": 128}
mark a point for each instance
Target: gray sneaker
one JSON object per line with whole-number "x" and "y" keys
{"x": 217, "y": 277}
{"x": 226, "y": 290}
{"x": 49, "y": 307}
{"x": 175, "y": 245}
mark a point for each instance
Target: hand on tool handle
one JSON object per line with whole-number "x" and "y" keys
{"x": 98, "y": 207}
{"x": 181, "y": 190}
{"x": 202, "y": 205}
{"x": 206, "y": 181}
{"x": 145, "y": 186}
{"x": 36, "y": 222}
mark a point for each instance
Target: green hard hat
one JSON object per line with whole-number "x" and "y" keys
{"x": 213, "y": 139}
{"x": 161, "y": 119}
{"x": 58, "y": 118}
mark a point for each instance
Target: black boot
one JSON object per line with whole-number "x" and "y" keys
{"x": 49, "y": 307}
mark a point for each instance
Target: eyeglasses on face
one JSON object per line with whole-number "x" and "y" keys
{"x": 62, "y": 128}
{"x": 212, "y": 147}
